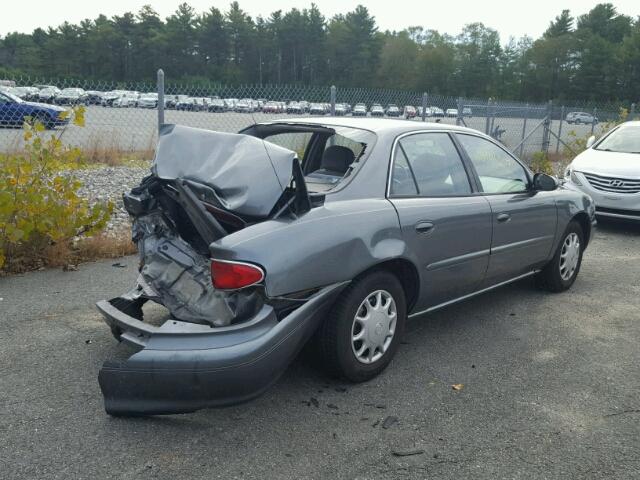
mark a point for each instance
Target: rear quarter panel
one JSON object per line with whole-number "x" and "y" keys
{"x": 331, "y": 243}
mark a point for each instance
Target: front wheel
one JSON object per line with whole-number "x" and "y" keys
{"x": 44, "y": 119}
{"x": 362, "y": 333}
{"x": 560, "y": 273}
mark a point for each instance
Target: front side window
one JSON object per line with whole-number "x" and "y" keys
{"x": 499, "y": 172}
{"x": 431, "y": 163}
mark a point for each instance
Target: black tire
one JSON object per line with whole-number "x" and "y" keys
{"x": 334, "y": 335}
{"x": 550, "y": 277}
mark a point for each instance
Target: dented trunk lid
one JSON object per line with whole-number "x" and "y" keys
{"x": 247, "y": 175}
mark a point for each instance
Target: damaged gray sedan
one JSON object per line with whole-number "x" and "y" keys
{"x": 332, "y": 230}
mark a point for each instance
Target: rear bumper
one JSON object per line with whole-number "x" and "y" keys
{"x": 183, "y": 367}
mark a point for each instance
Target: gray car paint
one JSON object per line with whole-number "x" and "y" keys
{"x": 451, "y": 263}
{"x": 356, "y": 228}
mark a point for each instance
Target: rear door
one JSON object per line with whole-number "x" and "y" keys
{"x": 446, "y": 226}
{"x": 524, "y": 220}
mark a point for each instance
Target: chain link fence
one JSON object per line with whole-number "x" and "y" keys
{"x": 122, "y": 118}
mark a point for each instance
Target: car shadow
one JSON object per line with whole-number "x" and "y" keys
{"x": 304, "y": 382}
{"x": 610, "y": 225}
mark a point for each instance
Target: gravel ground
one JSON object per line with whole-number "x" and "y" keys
{"x": 550, "y": 391}
{"x": 108, "y": 184}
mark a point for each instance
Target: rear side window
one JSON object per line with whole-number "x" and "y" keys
{"x": 428, "y": 164}
{"x": 402, "y": 181}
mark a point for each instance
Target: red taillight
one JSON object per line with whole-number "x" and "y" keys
{"x": 227, "y": 275}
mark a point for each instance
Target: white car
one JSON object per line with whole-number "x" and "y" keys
{"x": 452, "y": 112}
{"x": 609, "y": 171}
{"x": 126, "y": 100}
{"x": 148, "y": 100}
{"x": 580, "y": 118}
{"x": 435, "y": 112}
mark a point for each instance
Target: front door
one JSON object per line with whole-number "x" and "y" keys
{"x": 524, "y": 220}
{"x": 446, "y": 227}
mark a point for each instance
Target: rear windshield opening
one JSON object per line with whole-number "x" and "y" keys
{"x": 327, "y": 158}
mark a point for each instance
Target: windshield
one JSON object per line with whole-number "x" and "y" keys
{"x": 625, "y": 139}
{"x": 10, "y": 96}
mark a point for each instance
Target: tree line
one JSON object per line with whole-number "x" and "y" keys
{"x": 595, "y": 56}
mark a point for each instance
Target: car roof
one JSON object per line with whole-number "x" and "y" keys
{"x": 631, "y": 123}
{"x": 376, "y": 125}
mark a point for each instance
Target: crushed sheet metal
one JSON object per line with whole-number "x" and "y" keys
{"x": 179, "y": 278}
{"x": 247, "y": 174}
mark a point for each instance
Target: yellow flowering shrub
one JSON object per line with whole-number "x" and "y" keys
{"x": 39, "y": 201}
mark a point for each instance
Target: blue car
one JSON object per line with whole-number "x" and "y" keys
{"x": 14, "y": 111}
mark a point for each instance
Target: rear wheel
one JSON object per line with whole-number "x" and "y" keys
{"x": 362, "y": 333}
{"x": 560, "y": 273}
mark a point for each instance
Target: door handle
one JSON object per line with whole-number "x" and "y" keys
{"x": 503, "y": 217}
{"x": 424, "y": 227}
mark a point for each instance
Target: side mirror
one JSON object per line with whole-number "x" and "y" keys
{"x": 544, "y": 182}
{"x": 591, "y": 141}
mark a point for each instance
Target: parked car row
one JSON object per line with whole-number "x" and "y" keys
{"x": 131, "y": 98}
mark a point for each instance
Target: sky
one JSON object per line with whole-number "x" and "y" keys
{"x": 513, "y": 18}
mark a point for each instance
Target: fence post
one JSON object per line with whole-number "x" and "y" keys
{"x": 493, "y": 116}
{"x": 560, "y": 129}
{"x": 333, "y": 100}
{"x": 459, "y": 116}
{"x": 487, "y": 115}
{"x": 160, "y": 99}
{"x": 593, "y": 122}
{"x": 425, "y": 98}
{"x": 546, "y": 136}
{"x": 632, "y": 112}
{"x": 524, "y": 130}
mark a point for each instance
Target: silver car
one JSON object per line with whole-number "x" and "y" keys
{"x": 581, "y": 118}
{"x": 255, "y": 252}
{"x": 609, "y": 171}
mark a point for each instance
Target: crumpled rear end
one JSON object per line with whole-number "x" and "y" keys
{"x": 175, "y": 275}
{"x": 218, "y": 346}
